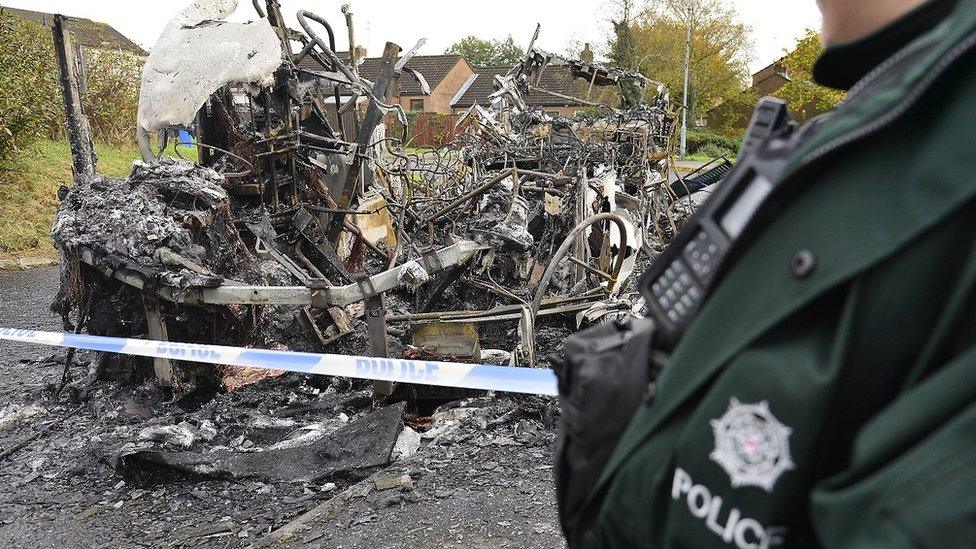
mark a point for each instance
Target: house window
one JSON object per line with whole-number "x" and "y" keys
{"x": 417, "y": 104}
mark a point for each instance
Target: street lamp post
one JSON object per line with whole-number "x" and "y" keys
{"x": 684, "y": 111}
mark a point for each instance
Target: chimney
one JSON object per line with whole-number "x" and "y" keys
{"x": 587, "y": 53}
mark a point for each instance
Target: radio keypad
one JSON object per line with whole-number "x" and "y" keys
{"x": 702, "y": 254}
{"x": 677, "y": 293}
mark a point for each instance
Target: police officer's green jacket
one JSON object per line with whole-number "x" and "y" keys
{"x": 826, "y": 395}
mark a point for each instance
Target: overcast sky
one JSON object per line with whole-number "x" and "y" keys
{"x": 776, "y": 24}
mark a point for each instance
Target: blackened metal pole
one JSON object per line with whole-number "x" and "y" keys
{"x": 684, "y": 111}
{"x": 378, "y": 346}
{"x": 83, "y": 159}
{"x": 381, "y": 91}
{"x": 376, "y": 329}
{"x": 353, "y": 57}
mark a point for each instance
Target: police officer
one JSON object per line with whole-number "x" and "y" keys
{"x": 825, "y": 394}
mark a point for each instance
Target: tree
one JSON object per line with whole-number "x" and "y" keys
{"x": 806, "y": 98}
{"x": 487, "y": 53}
{"x": 623, "y": 53}
{"x": 732, "y": 116}
{"x": 720, "y": 50}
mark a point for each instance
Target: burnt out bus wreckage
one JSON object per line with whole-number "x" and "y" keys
{"x": 297, "y": 231}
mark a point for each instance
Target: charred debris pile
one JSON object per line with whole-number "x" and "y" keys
{"x": 300, "y": 230}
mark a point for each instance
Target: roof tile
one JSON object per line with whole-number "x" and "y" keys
{"x": 434, "y": 68}
{"x": 88, "y": 33}
{"x": 556, "y": 77}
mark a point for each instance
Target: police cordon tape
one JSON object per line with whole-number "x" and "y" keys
{"x": 536, "y": 381}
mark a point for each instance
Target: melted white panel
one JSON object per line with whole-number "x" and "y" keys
{"x": 205, "y": 10}
{"x": 196, "y": 55}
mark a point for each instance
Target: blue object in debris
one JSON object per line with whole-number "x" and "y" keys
{"x": 186, "y": 138}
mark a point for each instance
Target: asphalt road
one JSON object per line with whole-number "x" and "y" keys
{"x": 25, "y": 299}
{"x": 485, "y": 482}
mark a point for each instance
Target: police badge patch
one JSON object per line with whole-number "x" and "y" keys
{"x": 751, "y": 445}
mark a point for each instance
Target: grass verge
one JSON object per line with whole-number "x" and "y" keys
{"x": 29, "y": 192}
{"x": 705, "y": 158}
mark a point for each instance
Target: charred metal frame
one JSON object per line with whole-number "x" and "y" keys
{"x": 281, "y": 156}
{"x": 316, "y": 295}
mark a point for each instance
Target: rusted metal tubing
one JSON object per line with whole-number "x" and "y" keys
{"x": 308, "y": 264}
{"x": 593, "y": 270}
{"x": 469, "y": 195}
{"x": 505, "y": 309}
{"x": 369, "y": 245}
{"x": 534, "y": 189}
{"x": 556, "y": 179}
{"x": 568, "y": 243}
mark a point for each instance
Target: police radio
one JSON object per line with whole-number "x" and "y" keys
{"x": 680, "y": 279}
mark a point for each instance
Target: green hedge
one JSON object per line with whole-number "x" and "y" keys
{"x": 31, "y": 106}
{"x": 28, "y": 82}
{"x": 708, "y": 143}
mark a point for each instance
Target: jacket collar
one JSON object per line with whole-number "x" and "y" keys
{"x": 892, "y": 87}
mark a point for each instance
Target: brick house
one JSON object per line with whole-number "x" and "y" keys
{"x": 556, "y": 78}
{"x": 770, "y": 79}
{"x": 87, "y": 33}
{"x": 735, "y": 114}
{"x": 455, "y": 85}
{"x": 445, "y": 74}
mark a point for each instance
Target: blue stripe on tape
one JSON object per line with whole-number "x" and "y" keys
{"x": 510, "y": 379}
{"x": 96, "y": 343}
{"x": 281, "y": 360}
{"x": 443, "y": 374}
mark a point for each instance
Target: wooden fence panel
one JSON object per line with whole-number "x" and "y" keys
{"x": 427, "y": 130}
